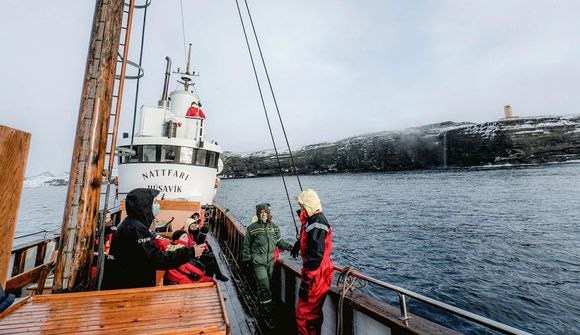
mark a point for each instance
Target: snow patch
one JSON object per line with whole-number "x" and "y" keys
{"x": 46, "y": 179}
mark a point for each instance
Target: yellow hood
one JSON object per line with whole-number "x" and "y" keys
{"x": 188, "y": 222}
{"x": 310, "y": 201}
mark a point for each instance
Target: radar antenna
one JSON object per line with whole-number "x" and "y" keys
{"x": 187, "y": 76}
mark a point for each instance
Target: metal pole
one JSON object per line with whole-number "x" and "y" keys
{"x": 403, "y": 306}
{"x": 144, "y": 7}
{"x": 451, "y": 309}
{"x": 186, "y": 82}
{"x": 163, "y": 101}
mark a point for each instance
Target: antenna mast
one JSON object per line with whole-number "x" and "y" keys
{"x": 186, "y": 77}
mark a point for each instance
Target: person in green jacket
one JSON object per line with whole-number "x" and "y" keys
{"x": 261, "y": 240}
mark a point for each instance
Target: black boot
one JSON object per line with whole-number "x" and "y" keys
{"x": 266, "y": 311}
{"x": 219, "y": 276}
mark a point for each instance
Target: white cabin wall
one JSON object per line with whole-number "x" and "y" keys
{"x": 189, "y": 129}
{"x": 190, "y": 182}
{"x": 180, "y": 101}
{"x": 329, "y": 312}
{"x": 364, "y": 324}
{"x": 152, "y": 120}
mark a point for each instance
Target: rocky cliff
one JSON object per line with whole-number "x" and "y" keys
{"x": 448, "y": 144}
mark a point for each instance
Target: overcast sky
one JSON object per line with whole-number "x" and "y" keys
{"x": 339, "y": 68}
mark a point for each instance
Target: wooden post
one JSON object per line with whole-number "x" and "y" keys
{"x": 14, "y": 146}
{"x": 19, "y": 262}
{"x": 86, "y": 174}
{"x": 40, "y": 254}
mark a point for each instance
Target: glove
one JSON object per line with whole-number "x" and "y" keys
{"x": 295, "y": 249}
{"x": 303, "y": 291}
{"x": 298, "y": 212}
{"x": 201, "y": 236}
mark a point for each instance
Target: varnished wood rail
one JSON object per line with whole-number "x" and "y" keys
{"x": 38, "y": 247}
{"x": 35, "y": 276}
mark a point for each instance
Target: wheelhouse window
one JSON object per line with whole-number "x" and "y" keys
{"x": 210, "y": 159}
{"x": 171, "y": 154}
{"x": 186, "y": 155}
{"x": 149, "y": 153}
{"x": 217, "y": 157}
{"x": 130, "y": 159}
{"x": 200, "y": 157}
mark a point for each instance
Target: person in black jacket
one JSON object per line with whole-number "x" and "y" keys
{"x": 133, "y": 257}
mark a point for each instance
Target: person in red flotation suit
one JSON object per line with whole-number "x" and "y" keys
{"x": 315, "y": 246}
{"x": 190, "y": 272}
{"x": 197, "y": 232}
{"x": 194, "y": 111}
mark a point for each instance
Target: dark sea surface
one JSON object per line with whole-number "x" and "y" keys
{"x": 500, "y": 242}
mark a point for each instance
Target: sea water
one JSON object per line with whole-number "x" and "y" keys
{"x": 500, "y": 242}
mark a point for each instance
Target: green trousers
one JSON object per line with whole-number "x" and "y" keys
{"x": 263, "y": 277}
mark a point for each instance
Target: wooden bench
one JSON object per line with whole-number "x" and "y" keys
{"x": 178, "y": 309}
{"x": 37, "y": 275}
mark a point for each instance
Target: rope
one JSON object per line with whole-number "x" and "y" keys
{"x": 273, "y": 95}
{"x": 183, "y": 30}
{"x": 345, "y": 283}
{"x": 139, "y": 79}
{"x": 268, "y": 120}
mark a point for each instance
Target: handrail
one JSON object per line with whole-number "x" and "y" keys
{"x": 404, "y": 292}
{"x": 446, "y": 307}
{"x": 32, "y": 234}
{"x": 31, "y": 244}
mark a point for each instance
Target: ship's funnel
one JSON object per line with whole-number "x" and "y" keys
{"x": 164, "y": 102}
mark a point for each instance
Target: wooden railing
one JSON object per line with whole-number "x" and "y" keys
{"x": 31, "y": 263}
{"x": 361, "y": 314}
{"x": 21, "y": 254}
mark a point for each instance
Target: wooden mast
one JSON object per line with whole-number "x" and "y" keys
{"x": 82, "y": 202}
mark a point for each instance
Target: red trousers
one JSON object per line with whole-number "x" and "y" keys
{"x": 309, "y": 314}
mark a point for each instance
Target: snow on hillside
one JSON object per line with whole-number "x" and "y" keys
{"x": 46, "y": 179}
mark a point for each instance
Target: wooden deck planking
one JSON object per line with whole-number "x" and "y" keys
{"x": 125, "y": 328}
{"x": 74, "y": 304}
{"x": 192, "y": 309}
{"x": 97, "y": 319}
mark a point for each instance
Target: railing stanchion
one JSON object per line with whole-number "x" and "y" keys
{"x": 403, "y": 306}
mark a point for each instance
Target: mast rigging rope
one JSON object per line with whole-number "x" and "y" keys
{"x": 183, "y": 30}
{"x": 273, "y": 95}
{"x": 147, "y": 3}
{"x": 267, "y": 119}
{"x": 345, "y": 283}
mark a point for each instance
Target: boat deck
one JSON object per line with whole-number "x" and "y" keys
{"x": 241, "y": 321}
{"x": 178, "y": 309}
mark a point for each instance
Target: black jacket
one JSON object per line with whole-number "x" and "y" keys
{"x": 316, "y": 230}
{"x": 133, "y": 257}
